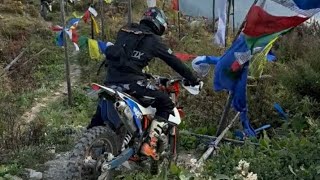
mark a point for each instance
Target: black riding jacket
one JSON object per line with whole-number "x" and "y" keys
{"x": 149, "y": 47}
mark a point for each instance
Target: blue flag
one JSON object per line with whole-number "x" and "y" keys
{"x": 224, "y": 77}
{"x": 102, "y": 46}
{"x": 271, "y": 56}
{"x": 235, "y": 82}
{"x": 73, "y": 21}
{"x": 59, "y": 39}
{"x": 305, "y": 7}
{"x": 307, "y": 4}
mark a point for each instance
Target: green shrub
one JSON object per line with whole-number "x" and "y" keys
{"x": 291, "y": 157}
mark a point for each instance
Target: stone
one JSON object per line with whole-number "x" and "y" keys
{"x": 34, "y": 175}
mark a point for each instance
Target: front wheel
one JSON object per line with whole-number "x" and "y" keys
{"x": 88, "y": 154}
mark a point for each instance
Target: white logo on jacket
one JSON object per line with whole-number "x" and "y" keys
{"x": 137, "y": 54}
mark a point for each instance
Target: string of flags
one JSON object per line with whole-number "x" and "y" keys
{"x": 96, "y": 47}
{"x": 72, "y": 26}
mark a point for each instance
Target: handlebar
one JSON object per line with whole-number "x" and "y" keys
{"x": 184, "y": 82}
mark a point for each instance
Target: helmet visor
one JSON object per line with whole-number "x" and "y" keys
{"x": 161, "y": 17}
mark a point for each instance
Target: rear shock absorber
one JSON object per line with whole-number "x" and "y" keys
{"x": 126, "y": 141}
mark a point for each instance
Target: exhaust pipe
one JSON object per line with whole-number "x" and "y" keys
{"x": 126, "y": 116}
{"x": 120, "y": 105}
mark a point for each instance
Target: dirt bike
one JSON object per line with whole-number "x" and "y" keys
{"x": 115, "y": 150}
{"x": 46, "y": 6}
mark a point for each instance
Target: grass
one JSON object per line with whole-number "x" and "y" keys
{"x": 32, "y": 78}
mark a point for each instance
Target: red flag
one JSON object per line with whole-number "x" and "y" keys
{"x": 184, "y": 57}
{"x": 86, "y": 16}
{"x": 260, "y": 23}
{"x": 75, "y": 36}
{"x": 175, "y": 5}
{"x": 56, "y": 28}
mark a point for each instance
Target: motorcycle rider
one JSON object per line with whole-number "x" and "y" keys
{"x": 135, "y": 46}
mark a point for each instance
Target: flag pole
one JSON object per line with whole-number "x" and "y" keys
{"x": 92, "y": 29}
{"x": 213, "y": 16}
{"x": 223, "y": 121}
{"x": 102, "y": 15}
{"x": 63, "y": 19}
{"x": 227, "y": 24}
{"x": 233, "y": 18}
{"x": 179, "y": 27}
{"x": 213, "y": 145}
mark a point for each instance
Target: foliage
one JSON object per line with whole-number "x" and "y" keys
{"x": 283, "y": 157}
{"x": 32, "y": 77}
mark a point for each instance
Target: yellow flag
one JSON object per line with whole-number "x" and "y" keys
{"x": 76, "y": 15}
{"x": 94, "y": 51}
{"x": 95, "y": 25}
{"x": 108, "y": 1}
{"x": 259, "y": 61}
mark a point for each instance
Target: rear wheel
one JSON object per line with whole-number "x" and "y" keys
{"x": 88, "y": 154}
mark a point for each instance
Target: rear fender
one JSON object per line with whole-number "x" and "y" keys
{"x": 144, "y": 111}
{"x": 108, "y": 90}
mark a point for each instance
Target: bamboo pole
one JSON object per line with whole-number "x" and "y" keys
{"x": 92, "y": 29}
{"x": 214, "y": 145}
{"x": 184, "y": 132}
{"x": 102, "y": 15}
{"x": 222, "y": 122}
{"x": 227, "y": 23}
{"x": 179, "y": 26}
{"x": 233, "y": 18}
{"x": 213, "y": 16}
{"x": 66, "y": 52}
{"x": 15, "y": 60}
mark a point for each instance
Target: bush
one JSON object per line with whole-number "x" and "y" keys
{"x": 292, "y": 157}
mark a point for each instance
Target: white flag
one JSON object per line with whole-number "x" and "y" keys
{"x": 152, "y": 3}
{"x": 220, "y": 37}
{"x": 93, "y": 11}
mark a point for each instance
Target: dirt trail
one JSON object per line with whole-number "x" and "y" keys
{"x": 30, "y": 115}
{"x": 57, "y": 167}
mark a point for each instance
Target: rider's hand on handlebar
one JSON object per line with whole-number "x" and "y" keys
{"x": 190, "y": 83}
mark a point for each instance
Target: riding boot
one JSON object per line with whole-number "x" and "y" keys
{"x": 149, "y": 148}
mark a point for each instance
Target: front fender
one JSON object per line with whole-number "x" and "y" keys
{"x": 175, "y": 119}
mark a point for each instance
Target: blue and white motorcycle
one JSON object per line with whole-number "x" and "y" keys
{"x": 104, "y": 151}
